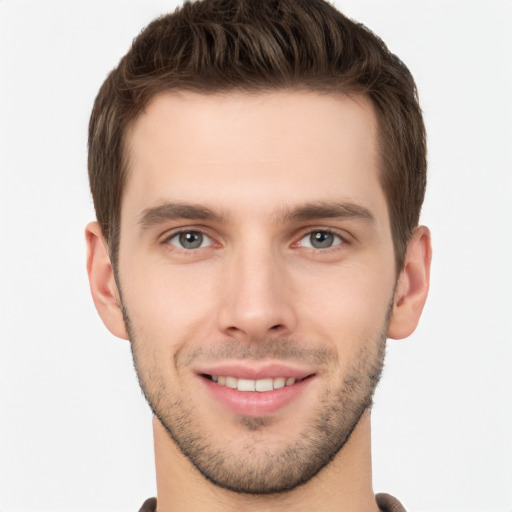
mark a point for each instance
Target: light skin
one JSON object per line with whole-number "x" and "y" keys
{"x": 255, "y": 243}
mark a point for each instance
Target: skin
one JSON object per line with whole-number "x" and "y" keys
{"x": 256, "y": 289}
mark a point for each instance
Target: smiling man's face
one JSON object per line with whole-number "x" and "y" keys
{"x": 257, "y": 275}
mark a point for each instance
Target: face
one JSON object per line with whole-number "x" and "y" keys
{"x": 256, "y": 269}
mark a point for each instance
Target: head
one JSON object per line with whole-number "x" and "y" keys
{"x": 219, "y": 46}
{"x": 258, "y": 170}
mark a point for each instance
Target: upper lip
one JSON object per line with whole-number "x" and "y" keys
{"x": 255, "y": 370}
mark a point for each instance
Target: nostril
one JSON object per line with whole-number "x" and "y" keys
{"x": 275, "y": 327}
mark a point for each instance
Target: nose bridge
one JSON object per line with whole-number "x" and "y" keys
{"x": 256, "y": 295}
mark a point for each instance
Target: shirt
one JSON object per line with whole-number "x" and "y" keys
{"x": 386, "y": 503}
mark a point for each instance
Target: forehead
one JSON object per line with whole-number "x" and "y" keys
{"x": 222, "y": 150}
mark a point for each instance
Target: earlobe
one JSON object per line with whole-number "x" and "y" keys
{"x": 412, "y": 287}
{"x": 102, "y": 283}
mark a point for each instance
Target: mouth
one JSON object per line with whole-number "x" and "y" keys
{"x": 251, "y": 385}
{"x": 256, "y": 392}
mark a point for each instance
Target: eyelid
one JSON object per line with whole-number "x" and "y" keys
{"x": 343, "y": 237}
{"x": 166, "y": 237}
{"x": 205, "y": 242}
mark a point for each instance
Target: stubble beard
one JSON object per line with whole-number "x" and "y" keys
{"x": 255, "y": 470}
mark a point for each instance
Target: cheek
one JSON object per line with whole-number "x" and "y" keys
{"x": 348, "y": 306}
{"x": 169, "y": 306}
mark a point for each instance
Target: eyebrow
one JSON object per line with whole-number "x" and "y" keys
{"x": 306, "y": 212}
{"x": 173, "y": 211}
{"x": 327, "y": 210}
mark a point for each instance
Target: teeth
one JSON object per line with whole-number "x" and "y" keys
{"x": 231, "y": 382}
{"x": 246, "y": 385}
{"x": 279, "y": 383}
{"x": 264, "y": 385}
{"x": 260, "y": 385}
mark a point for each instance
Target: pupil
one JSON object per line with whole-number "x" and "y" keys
{"x": 191, "y": 239}
{"x": 321, "y": 239}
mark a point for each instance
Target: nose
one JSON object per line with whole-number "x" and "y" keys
{"x": 257, "y": 296}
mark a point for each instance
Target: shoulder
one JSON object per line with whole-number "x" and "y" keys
{"x": 149, "y": 505}
{"x": 388, "y": 503}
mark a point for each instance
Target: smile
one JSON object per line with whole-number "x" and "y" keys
{"x": 257, "y": 397}
{"x": 260, "y": 385}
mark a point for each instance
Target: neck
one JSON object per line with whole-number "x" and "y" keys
{"x": 343, "y": 485}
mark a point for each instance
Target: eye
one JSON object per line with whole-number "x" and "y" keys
{"x": 190, "y": 240}
{"x": 320, "y": 239}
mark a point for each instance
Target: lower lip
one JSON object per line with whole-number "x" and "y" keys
{"x": 254, "y": 403}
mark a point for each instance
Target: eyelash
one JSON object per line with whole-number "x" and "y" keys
{"x": 176, "y": 234}
{"x": 336, "y": 246}
{"x": 327, "y": 231}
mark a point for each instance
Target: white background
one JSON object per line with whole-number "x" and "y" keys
{"x": 75, "y": 433}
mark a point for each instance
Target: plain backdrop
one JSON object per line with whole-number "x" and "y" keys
{"x": 75, "y": 432}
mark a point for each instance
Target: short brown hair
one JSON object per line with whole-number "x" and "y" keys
{"x": 247, "y": 45}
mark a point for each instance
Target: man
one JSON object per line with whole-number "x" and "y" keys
{"x": 258, "y": 170}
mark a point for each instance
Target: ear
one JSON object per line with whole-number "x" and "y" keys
{"x": 412, "y": 287}
{"x": 101, "y": 280}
